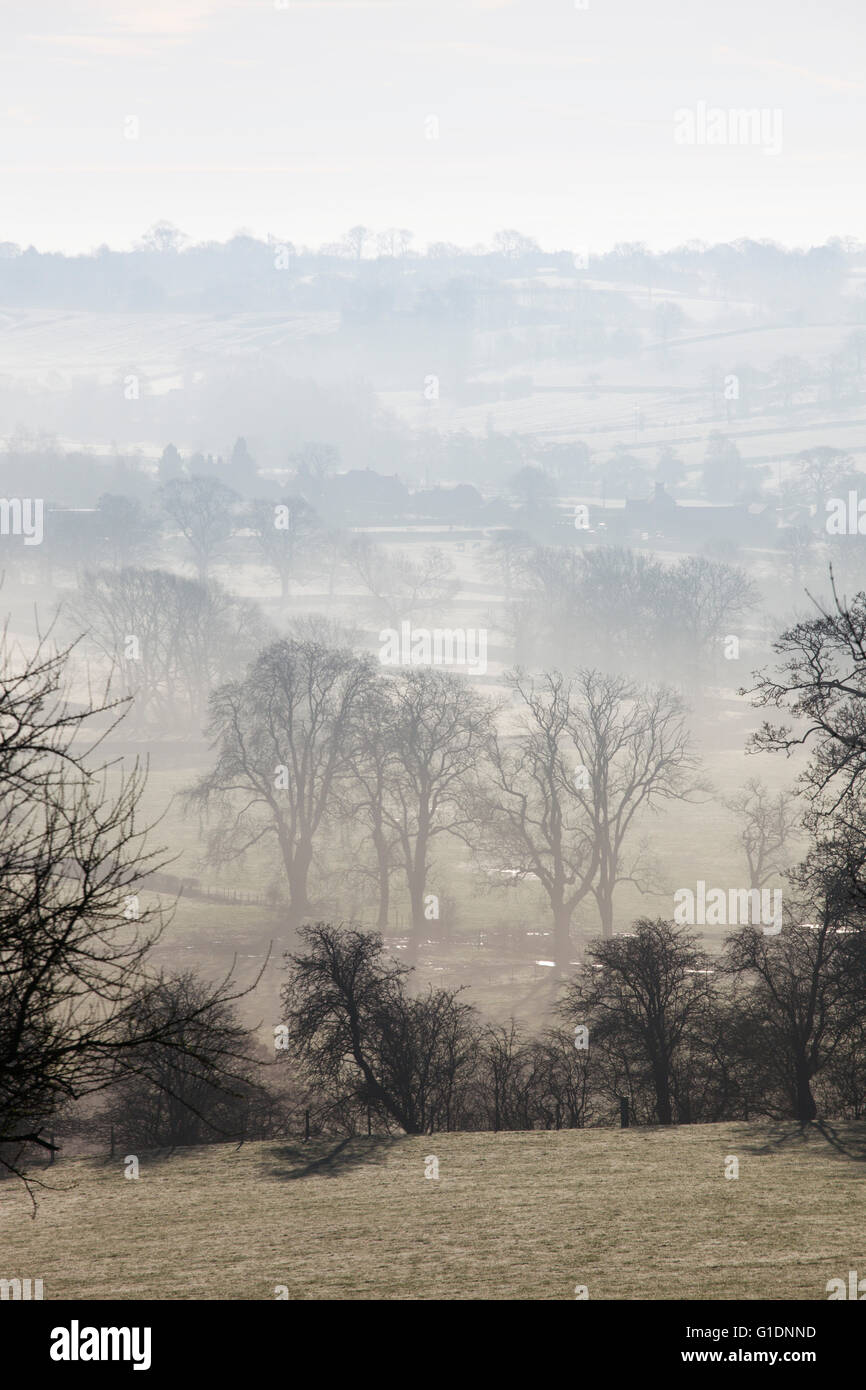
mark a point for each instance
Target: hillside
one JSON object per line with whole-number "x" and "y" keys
{"x": 632, "y": 1215}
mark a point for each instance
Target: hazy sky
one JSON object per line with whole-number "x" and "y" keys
{"x": 300, "y": 119}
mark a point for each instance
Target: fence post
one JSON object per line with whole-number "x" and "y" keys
{"x": 112, "y": 1142}
{"x": 369, "y": 1123}
{"x": 51, "y": 1158}
{"x": 306, "y": 1125}
{"x": 623, "y": 1112}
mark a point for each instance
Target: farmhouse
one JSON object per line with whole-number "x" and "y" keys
{"x": 690, "y": 522}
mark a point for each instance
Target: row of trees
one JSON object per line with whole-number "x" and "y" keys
{"x": 773, "y": 1028}
{"x": 611, "y": 607}
{"x": 165, "y": 267}
{"x": 620, "y": 607}
{"x": 166, "y": 640}
{"x": 551, "y": 787}
{"x": 189, "y": 634}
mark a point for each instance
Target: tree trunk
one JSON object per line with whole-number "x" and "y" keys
{"x": 416, "y": 898}
{"x": 604, "y": 899}
{"x": 603, "y": 890}
{"x": 806, "y": 1107}
{"x": 664, "y": 1108}
{"x": 299, "y": 904}
{"x": 384, "y": 870}
{"x": 417, "y": 876}
{"x": 561, "y": 936}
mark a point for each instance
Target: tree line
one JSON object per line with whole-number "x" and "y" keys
{"x": 549, "y": 785}
{"x": 773, "y": 1026}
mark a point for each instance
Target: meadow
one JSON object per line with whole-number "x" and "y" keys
{"x": 634, "y": 1214}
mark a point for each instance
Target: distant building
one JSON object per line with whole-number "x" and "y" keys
{"x": 661, "y": 516}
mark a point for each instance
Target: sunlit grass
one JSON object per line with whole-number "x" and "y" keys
{"x": 631, "y": 1214}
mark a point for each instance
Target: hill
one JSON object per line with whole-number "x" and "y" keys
{"x": 636, "y": 1214}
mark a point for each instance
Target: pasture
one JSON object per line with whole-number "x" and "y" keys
{"x": 635, "y": 1214}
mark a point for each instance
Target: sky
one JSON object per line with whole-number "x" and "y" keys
{"x": 580, "y": 127}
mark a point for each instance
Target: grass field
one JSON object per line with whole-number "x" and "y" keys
{"x": 636, "y": 1214}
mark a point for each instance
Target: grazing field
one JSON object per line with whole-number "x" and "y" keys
{"x": 636, "y": 1214}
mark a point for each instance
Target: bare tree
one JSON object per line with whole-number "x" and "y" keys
{"x": 533, "y": 811}
{"x": 169, "y": 640}
{"x": 565, "y": 1098}
{"x": 798, "y": 545}
{"x": 314, "y": 463}
{"x": 398, "y": 587}
{"x": 438, "y": 727}
{"x": 514, "y": 244}
{"x": 125, "y": 531}
{"x": 329, "y": 556}
{"x": 633, "y": 613}
{"x": 285, "y": 735}
{"x": 199, "y": 1081}
{"x": 533, "y": 487}
{"x": 704, "y": 598}
{"x": 767, "y": 825}
{"x": 505, "y": 558}
{"x": 202, "y": 508}
{"x": 75, "y": 936}
{"x": 394, "y": 241}
{"x": 792, "y": 375}
{"x": 596, "y": 752}
{"x": 508, "y": 1079}
{"x": 617, "y": 594}
{"x": 635, "y": 747}
{"x": 284, "y": 532}
{"x": 361, "y": 1037}
{"x": 356, "y": 239}
{"x": 821, "y": 470}
{"x": 644, "y": 996}
{"x": 366, "y": 793}
{"x": 806, "y": 985}
{"x": 164, "y": 238}
{"x": 820, "y": 683}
